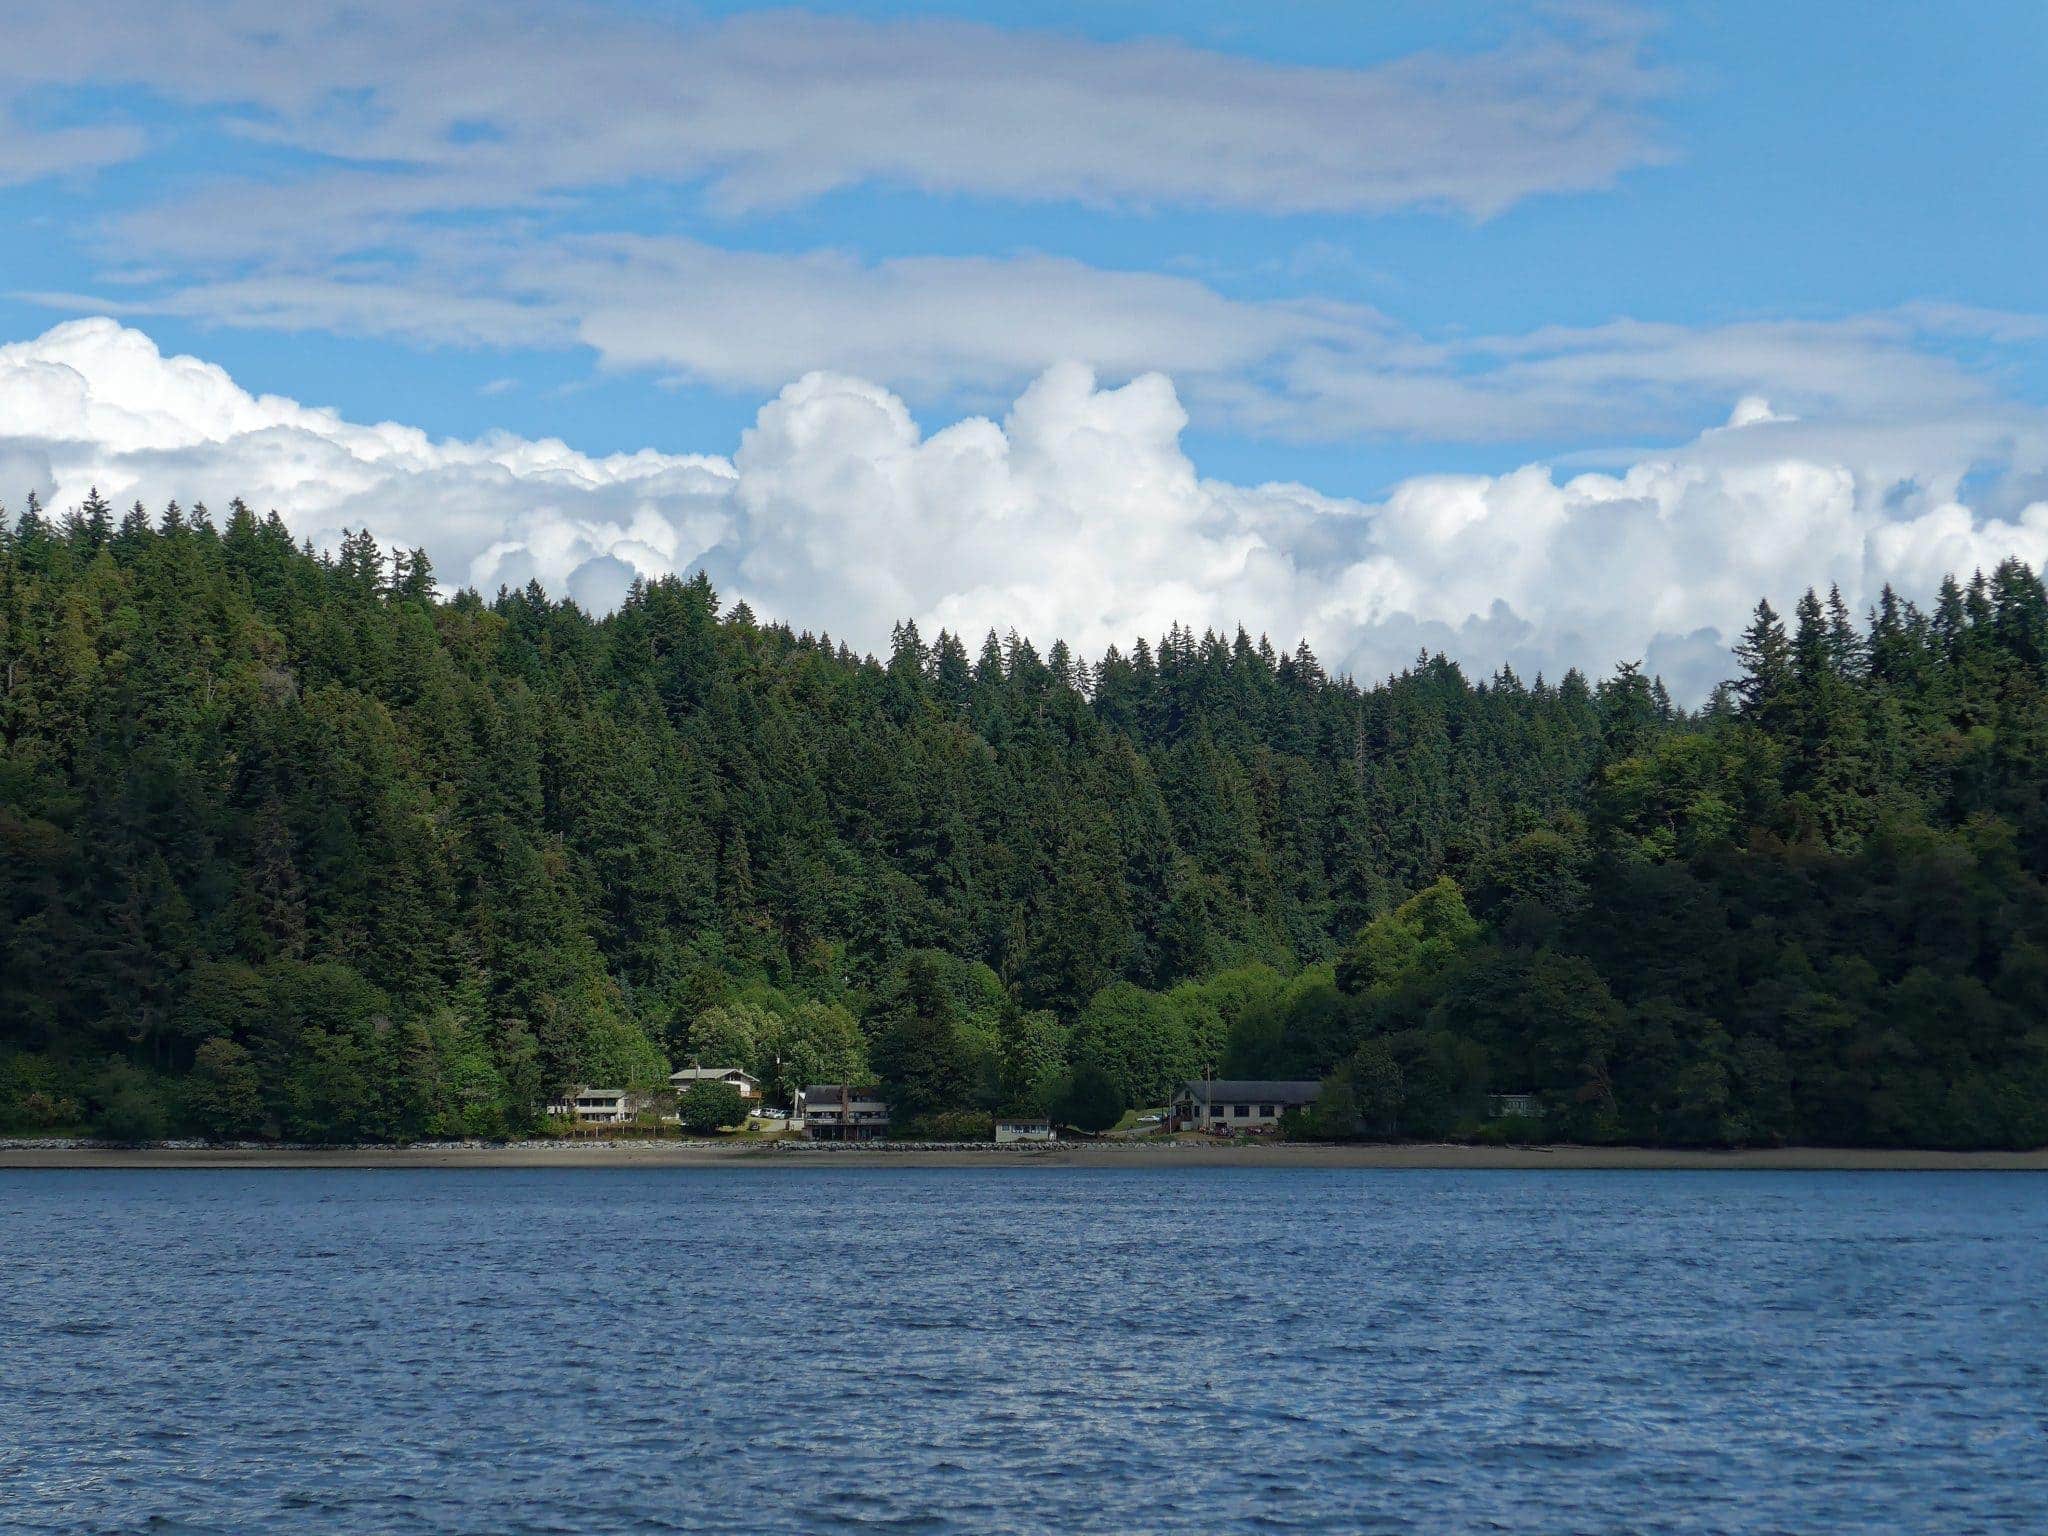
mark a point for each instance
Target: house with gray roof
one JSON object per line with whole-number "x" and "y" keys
{"x": 1236, "y": 1104}
{"x": 598, "y": 1106}
{"x": 748, "y": 1085}
{"x": 840, "y": 1112}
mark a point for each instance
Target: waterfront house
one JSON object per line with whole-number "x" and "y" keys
{"x": 1525, "y": 1105}
{"x": 593, "y": 1106}
{"x": 1236, "y": 1104}
{"x": 749, "y": 1086}
{"x": 1023, "y": 1128}
{"x": 841, "y": 1112}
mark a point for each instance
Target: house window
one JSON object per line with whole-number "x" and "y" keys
{"x": 1266, "y": 1111}
{"x": 1242, "y": 1111}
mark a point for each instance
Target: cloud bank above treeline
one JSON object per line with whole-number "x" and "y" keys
{"x": 1077, "y": 516}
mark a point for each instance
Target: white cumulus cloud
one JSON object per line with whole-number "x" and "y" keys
{"x": 1077, "y": 516}
{"x": 93, "y": 402}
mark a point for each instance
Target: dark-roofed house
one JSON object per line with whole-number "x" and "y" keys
{"x": 1236, "y": 1104}
{"x": 841, "y": 1112}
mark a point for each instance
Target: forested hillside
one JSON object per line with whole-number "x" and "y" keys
{"x": 291, "y": 846}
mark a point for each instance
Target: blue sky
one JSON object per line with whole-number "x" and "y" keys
{"x": 1366, "y": 244}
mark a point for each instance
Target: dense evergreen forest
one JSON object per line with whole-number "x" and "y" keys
{"x": 291, "y": 846}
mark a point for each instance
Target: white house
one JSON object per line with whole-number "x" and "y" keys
{"x": 749, "y": 1086}
{"x": 1023, "y": 1128}
{"x": 1236, "y": 1104}
{"x": 840, "y": 1112}
{"x": 593, "y": 1106}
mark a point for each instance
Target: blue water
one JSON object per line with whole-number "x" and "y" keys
{"x": 1022, "y": 1350}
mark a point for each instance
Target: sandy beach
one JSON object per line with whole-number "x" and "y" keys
{"x": 1090, "y": 1155}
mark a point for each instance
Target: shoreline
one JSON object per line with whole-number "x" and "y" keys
{"x": 1083, "y": 1155}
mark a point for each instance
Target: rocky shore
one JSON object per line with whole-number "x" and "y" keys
{"x": 1152, "y": 1152}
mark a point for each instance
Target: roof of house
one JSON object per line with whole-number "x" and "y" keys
{"x": 1231, "y": 1090}
{"x": 866, "y": 1092}
{"x": 702, "y": 1074}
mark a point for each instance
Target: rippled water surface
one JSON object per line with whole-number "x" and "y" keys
{"x": 1022, "y": 1350}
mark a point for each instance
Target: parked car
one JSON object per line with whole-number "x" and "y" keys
{"x": 1150, "y": 1119}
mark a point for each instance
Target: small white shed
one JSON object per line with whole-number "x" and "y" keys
{"x": 1023, "y": 1128}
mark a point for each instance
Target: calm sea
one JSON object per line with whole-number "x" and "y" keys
{"x": 1023, "y": 1350}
